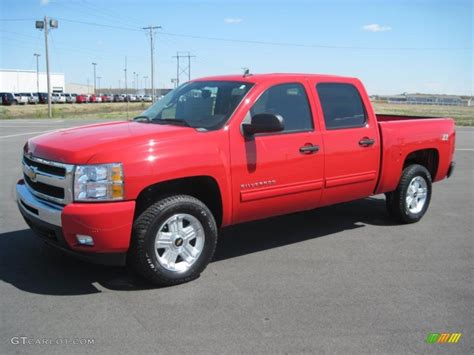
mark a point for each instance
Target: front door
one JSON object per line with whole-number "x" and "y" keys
{"x": 276, "y": 173}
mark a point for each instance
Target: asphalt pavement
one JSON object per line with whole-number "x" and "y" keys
{"x": 341, "y": 279}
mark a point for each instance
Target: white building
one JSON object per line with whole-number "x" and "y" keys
{"x": 17, "y": 80}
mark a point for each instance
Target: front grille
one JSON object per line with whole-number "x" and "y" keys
{"x": 49, "y": 169}
{"x": 48, "y": 180}
{"x": 45, "y": 189}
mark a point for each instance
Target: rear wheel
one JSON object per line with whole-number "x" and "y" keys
{"x": 410, "y": 201}
{"x": 173, "y": 240}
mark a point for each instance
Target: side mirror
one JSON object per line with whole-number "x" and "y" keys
{"x": 263, "y": 123}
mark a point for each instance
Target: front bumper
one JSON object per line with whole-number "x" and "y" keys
{"x": 108, "y": 223}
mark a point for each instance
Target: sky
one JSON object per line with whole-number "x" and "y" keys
{"x": 393, "y": 46}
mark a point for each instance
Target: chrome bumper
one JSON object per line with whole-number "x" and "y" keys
{"x": 35, "y": 207}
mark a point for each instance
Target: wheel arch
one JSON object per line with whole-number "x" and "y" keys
{"x": 428, "y": 157}
{"x": 204, "y": 188}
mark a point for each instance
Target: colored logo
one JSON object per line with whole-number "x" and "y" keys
{"x": 442, "y": 338}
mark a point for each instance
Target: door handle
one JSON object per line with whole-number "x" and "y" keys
{"x": 309, "y": 149}
{"x": 366, "y": 142}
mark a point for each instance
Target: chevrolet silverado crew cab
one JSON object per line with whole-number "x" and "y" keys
{"x": 153, "y": 192}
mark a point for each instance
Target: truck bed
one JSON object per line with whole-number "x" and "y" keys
{"x": 390, "y": 118}
{"x": 403, "y": 135}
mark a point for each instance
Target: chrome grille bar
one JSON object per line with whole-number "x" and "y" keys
{"x": 45, "y": 179}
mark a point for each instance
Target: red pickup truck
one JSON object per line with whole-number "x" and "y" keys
{"x": 217, "y": 151}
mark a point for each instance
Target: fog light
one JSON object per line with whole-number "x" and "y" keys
{"x": 84, "y": 239}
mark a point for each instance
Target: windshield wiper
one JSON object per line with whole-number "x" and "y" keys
{"x": 177, "y": 121}
{"x": 142, "y": 119}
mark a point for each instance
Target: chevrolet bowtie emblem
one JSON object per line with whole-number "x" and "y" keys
{"x": 31, "y": 173}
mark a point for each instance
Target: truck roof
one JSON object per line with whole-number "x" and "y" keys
{"x": 269, "y": 77}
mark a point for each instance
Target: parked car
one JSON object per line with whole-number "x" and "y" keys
{"x": 147, "y": 98}
{"x": 70, "y": 98}
{"x": 30, "y": 97}
{"x": 118, "y": 98}
{"x": 7, "y": 98}
{"x": 43, "y": 97}
{"x": 55, "y": 98}
{"x": 98, "y": 98}
{"x": 81, "y": 99}
{"x": 106, "y": 98}
{"x": 299, "y": 142}
{"x": 20, "y": 99}
{"x": 131, "y": 98}
{"x": 36, "y": 97}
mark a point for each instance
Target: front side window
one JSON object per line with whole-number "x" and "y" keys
{"x": 200, "y": 104}
{"x": 342, "y": 105}
{"x": 289, "y": 101}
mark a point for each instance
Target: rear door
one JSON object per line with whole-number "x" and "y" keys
{"x": 351, "y": 142}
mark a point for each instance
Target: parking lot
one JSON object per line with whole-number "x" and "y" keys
{"x": 341, "y": 279}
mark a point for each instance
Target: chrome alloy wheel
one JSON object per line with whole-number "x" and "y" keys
{"x": 416, "y": 195}
{"x": 179, "y": 242}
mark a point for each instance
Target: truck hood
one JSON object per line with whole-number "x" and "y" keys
{"x": 80, "y": 144}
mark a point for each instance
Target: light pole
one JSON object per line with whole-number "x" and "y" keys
{"x": 37, "y": 71}
{"x": 43, "y": 25}
{"x": 133, "y": 81}
{"x": 95, "y": 91}
{"x": 145, "y": 82}
{"x": 98, "y": 78}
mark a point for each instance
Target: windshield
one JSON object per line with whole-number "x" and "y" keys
{"x": 199, "y": 104}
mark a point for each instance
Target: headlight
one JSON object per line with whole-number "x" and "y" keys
{"x": 98, "y": 182}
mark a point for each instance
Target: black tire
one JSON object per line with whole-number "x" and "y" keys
{"x": 142, "y": 257}
{"x": 396, "y": 200}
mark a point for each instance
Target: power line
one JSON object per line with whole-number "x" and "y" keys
{"x": 322, "y": 46}
{"x": 258, "y": 42}
{"x": 16, "y": 19}
{"x": 101, "y": 25}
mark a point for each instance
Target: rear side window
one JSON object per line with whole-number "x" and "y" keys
{"x": 342, "y": 106}
{"x": 289, "y": 101}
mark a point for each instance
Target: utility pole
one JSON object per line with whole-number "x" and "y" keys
{"x": 37, "y": 71}
{"x": 151, "y": 29}
{"x": 95, "y": 91}
{"x": 180, "y": 69}
{"x": 43, "y": 25}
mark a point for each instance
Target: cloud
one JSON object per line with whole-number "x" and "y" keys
{"x": 44, "y": 2}
{"x": 375, "y": 27}
{"x": 233, "y": 20}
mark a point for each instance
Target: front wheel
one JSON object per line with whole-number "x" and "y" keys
{"x": 410, "y": 201}
{"x": 173, "y": 240}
